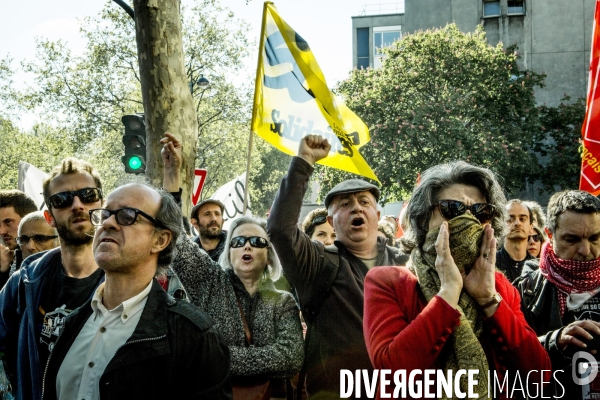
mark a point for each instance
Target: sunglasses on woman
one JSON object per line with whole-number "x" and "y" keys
{"x": 65, "y": 199}
{"x": 255, "y": 241}
{"x": 453, "y": 208}
{"x": 535, "y": 238}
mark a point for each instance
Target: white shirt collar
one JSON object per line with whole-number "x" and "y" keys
{"x": 127, "y": 308}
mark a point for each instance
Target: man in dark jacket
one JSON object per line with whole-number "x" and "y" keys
{"x": 207, "y": 218}
{"x": 132, "y": 340}
{"x": 49, "y": 285}
{"x": 513, "y": 254}
{"x": 329, "y": 281}
{"x": 560, "y": 298}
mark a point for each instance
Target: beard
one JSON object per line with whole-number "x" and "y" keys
{"x": 209, "y": 232}
{"x": 74, "y": 237}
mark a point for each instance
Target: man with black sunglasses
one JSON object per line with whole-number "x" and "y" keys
{"x": 329, "y": 280}
{"x": 132, "y": 340}
{"x": 511, "y": 258}
{"x": 49, "y": 285}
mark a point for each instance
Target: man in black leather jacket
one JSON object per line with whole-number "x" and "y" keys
{"x": 133, "y": 340}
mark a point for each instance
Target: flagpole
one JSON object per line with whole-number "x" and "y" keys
{"x": 247, "y": 173}
{"x": 257, "y": 85}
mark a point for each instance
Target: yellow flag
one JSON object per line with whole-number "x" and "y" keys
{"x": 292, "y": 100}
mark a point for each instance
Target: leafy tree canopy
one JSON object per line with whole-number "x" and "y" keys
{"x": 440, "y": 96}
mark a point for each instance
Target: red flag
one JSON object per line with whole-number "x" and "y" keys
{"x": 590, "y": 131}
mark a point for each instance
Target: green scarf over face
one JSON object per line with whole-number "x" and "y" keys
{"x": 463, "y": 350}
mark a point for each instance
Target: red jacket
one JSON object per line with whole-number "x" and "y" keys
{"x": 404, "y": 332}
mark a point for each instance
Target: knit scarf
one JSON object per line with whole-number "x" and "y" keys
{"x": 463, "y": 350}
{"x": 569, "y": 276}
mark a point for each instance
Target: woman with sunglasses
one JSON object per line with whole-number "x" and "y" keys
{"x": 450, "y": 310}
{"x": 535, "y": 242}
{"x": 260, "y": 323}
{"x": 315, "y": 225}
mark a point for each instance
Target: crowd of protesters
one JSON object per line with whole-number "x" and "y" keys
{"x": 105, "y": 295}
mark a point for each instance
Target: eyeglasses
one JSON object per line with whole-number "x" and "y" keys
{"x": 453, "y": 208}
{"x": 321, "y": 219}
{"x": 536, "y": 238}
{"x": 65, "y": 199}
{"x": 123, "y": 216}
{"x": 255, "y": 241}
{"x": 23, "y": 240}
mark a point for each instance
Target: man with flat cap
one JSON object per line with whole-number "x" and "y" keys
{"x": 329, "y": 280}
{"x": 207, "y": 218}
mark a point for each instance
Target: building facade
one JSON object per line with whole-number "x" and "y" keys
{"x": 553, "y": 36}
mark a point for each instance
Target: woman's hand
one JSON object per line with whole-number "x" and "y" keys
{"x": 480, "y": 283}
{"x": 451, "y": 282}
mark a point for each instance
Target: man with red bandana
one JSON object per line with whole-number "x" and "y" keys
{"x": 561, "y": 299}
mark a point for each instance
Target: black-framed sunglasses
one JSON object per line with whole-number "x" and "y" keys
{"x": 321, "y": 219}
{"x": 123, "y": 216}
{"x": 536, "y": 238}
{"x": 453, "y": 208}
{"x": 255, "y": 241}
{"x": 65, "y": 199}
{"x": 23, "y": 240}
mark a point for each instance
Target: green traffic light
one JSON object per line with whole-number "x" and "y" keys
{"x": 135, "y": 163}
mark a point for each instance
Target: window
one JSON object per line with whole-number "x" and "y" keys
{"x": 491, "y": 8}
{"x": 383, "y": 39}
{"x": 516, "y": 7}
{"x": 362, "y": 48}
{"x": 384, "y": 36}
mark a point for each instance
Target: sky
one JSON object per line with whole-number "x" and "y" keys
{"x": 326, "y": 25}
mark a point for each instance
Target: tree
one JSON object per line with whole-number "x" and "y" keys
{"x": 168, "y": 103}
{"x": 558, "y": 142}
{"x": 443, "y": 95}
{"x": 85, "y": 96}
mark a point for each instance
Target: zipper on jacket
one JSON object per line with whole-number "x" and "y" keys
{"x": 46, "y": 368}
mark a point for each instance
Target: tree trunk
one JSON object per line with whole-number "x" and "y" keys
{"x": 168, "y": 103}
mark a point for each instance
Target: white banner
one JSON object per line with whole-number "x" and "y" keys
{"x": 231, "y": 195}
{"x": 30, "y": 182}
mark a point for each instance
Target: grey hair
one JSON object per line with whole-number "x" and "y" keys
{"x": 538, "y": 213}
{"x": 439, "y": 177}
{"x": 273, "y": 268}
{"x": 31, "y": 217}
{"x": 576, "y": 201}
{"x": 169, "y": 216}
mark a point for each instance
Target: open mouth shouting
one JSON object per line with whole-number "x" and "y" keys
{"x": 247, "y": 258}
{"x": 358, "y": 222}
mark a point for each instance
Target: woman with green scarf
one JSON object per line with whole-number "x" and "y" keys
{"x": 449, "y": 310}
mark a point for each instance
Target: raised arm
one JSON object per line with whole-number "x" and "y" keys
{"x": 300, "y": 257}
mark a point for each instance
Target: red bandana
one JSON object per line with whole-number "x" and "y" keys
{"x": 567, "y": 275}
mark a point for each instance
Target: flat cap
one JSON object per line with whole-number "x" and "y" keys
{"x": 351, "y": 186}
{"x": 207, "y": 201}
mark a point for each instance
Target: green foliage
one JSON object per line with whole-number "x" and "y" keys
{"x": 43, "y": 147}
{"x": 84, "y": 96}
{"x": 440, "y": 96}
{"x": 558, "y": 142}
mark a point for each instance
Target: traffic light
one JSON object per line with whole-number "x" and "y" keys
{"x": 134, "y": 140}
